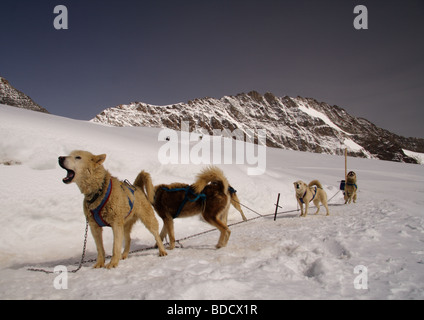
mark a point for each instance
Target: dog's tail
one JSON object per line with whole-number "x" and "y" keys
{"x": 144, "y": 182}
{"x": 210, "y": 174}
{"x": 214, "y": 174}
{"x": 315, "y": 183}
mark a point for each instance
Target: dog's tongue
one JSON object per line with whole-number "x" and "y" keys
{"x": 69, "y": 176}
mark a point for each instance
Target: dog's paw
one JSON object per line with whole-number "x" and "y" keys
{"x": 162, "y": 253}
{"x": 221, "y": 245}
{"x": 99, "y": 265}
{"x": 111, "y": 265}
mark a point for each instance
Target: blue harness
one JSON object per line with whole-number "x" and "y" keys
{"x": 188, "y": 191}
{"x": 315, "y": 193}
{"x": 352, "y": 185}
{"x": 97, "y": 212}
{"x": 343, "y": 184}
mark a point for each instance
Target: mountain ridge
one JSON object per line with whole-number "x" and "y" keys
{"x": 11, "y": 96}
{"x": 302, "y": 124}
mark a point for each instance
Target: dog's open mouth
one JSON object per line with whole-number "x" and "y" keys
{"x": 69, "y": 177}
{"x": 70, "y": 173}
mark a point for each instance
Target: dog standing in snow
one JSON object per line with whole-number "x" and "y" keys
{"x": 109, "y": 202}
{"x": 307, "y": 193}
{"x": 210, "y": 195}
{"x": 350, "y": 188}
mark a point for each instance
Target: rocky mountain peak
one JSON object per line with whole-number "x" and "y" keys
{"x": 13, "y": 97}
{"x": 302, "y": 124}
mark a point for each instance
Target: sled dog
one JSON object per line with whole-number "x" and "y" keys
{"x": 307, "y": 193}
{"x": 210, "y": 195}
{"x": 109, "y": 202}
{"x": 350, "y": 188}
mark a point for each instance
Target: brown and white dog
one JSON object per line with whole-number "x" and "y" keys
{"x": 307, "y": 193}
{"x": 350, "y": 188}
{"x": 109, "y": 202}
{"x": 209, "y": 196}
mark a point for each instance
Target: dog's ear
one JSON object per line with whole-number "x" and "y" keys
{"x": 99, "y": 159}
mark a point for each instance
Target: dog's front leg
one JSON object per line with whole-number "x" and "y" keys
{"x": 127, "y": 237}
{"x": 97, "y": 232}
{"x": 306, "y": 208}
{"x": 169, "y": 225}
{"x": 118, "y": 235}
{"x": 301, "y": 207}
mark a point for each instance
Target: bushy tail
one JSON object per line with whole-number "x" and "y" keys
{"x": 208, "y": 175}
{"x": 315, "y": 183}
{"x": 144, "y": 182}
{"x": 214, "y": 174}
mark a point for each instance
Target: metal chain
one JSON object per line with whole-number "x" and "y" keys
{"x": 83, "y": 248}
{"x": 178, "y": 241}
{"x": 82, "y": 256}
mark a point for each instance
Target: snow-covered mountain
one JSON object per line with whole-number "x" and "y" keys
{"x": 12, "y": 97}
{"x": 302, "y": 124}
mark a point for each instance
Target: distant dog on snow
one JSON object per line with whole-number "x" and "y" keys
{"x": 210, "y": 196}
{"x": 350, "y": 188}
{"x": 307, "y": 193}
{"x": 109, "y": 202}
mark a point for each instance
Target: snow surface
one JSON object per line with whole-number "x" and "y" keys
{"x": 352, "y": 145}
{"x": 42, "y": 224}
{"x": 416, "y": 155}
{"x": 316, "y": 114}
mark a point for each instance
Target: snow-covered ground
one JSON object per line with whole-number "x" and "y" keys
{"x": 42, "y": 224}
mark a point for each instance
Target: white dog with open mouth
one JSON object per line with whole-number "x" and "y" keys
{"x": 109, "y": 202}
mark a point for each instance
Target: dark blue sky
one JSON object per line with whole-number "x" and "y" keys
{"x": 163, "y": 52}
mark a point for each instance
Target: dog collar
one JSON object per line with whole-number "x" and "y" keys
{"x": 97, "y": 195}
